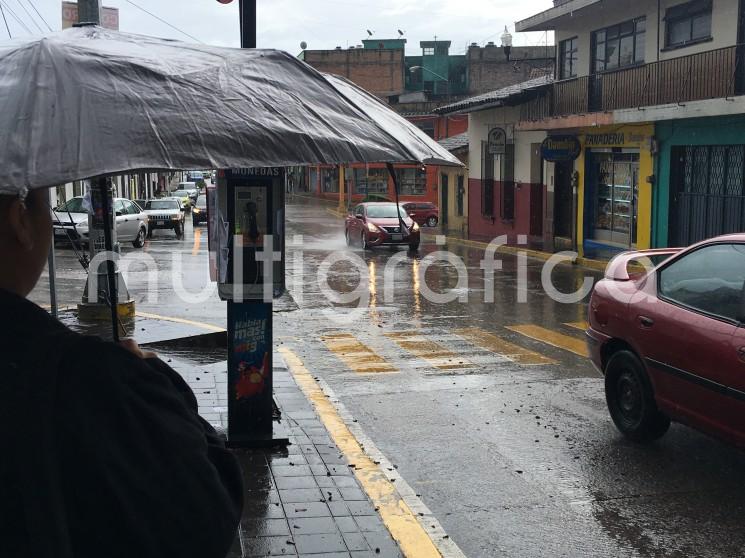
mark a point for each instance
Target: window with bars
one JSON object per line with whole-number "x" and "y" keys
{"x": 619, "y": 45}
{"x": 568, "y": 55}
{"x": 507, "y": 172}
{"x": 370, "y": 181}
{"x": 707, "y": 192}
{"x": 411, "y": 182}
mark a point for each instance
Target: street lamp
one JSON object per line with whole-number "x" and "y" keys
{"x": 446, "y": 80}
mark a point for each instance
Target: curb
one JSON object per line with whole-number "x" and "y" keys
{"x": 411, "y": 508}
{"x": 597, "y": 265}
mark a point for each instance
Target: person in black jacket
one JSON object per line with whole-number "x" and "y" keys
{"x": 103, "y": 451}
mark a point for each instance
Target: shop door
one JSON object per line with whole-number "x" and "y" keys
{"x": 616, "y": 195}
{"x": 707, "y": 192}
{"x": 444, "y": 205}
{"x": 563, "y": 199}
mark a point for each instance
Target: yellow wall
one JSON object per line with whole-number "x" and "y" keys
{"x": 456, "y": 222}
{"x": 639, "y": 136}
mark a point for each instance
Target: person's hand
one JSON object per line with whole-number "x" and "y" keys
{"x": 132, "y": 346}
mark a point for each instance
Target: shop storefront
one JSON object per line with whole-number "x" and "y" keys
{"x": 614, "y": 189}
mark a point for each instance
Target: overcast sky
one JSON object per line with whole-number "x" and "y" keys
{"x": 323, "y": 24}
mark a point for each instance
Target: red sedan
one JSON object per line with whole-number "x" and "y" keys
{"x": 425, "y": 213}
{"x": 381, "y": 224}
{"x": 670, "y": 339}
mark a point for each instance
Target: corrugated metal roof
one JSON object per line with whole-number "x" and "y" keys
{"x": 452, "y": 143}
{"x": 497, "y": 97}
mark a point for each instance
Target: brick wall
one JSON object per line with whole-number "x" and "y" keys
{"x": 379, "y": 71}
{"x": 489, "y": 69}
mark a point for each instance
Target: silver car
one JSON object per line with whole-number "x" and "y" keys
{"x": 71, "y": 222}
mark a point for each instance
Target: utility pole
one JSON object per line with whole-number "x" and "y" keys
{"x": 248, "y": 23}
{"x": 89, "y": 11}
{"x": 105, "y": 295}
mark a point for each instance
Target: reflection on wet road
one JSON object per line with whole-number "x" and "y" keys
{"x": 492, "y": 413}
{"x": 489, "y": 410}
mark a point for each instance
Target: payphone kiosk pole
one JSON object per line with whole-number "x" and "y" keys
{"x": 248, "y": 234}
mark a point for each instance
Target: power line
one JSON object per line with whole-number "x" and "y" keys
{"x": 39, "y": 14}
{"x": 30, "y": 16}
{"x": 11, "y": 12}
{"x": 6, "y": 21}
{"x": 163, "y": 21}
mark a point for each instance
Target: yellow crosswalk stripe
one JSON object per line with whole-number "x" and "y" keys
{"x": 581, "y": 325}
{"x": 495, "y": 344}
{"x": 355, "y": 354}
{"x": 435, "y": 354}
{"x": 566, "y": 342}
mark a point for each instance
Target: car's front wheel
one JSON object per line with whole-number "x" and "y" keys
{"x": 432, "y": 221}
{"x": 363, "y": 241}
{"x": 179, "y": 229}
{"x": 630, "y": 399}
{"x": 139, "y": 240}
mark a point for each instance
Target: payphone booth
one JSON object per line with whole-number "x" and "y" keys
{"x": 246, "y": 231}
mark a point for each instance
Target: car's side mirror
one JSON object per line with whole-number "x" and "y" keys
{"x": 741, "y": 309}
{"x": 118, "y": 213}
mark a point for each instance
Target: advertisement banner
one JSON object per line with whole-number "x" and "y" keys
{"x": 249, "y": 371}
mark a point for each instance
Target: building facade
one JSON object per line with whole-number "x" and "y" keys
{"x": 653, "y": 92}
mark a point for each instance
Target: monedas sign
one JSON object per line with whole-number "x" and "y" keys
{"x": 560, "y": 148}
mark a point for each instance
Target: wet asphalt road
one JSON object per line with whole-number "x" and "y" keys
{"x": 484, "y": 407}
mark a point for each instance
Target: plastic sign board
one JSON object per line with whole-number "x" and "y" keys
{"x": 497, "y": 141}
{"x": 560, "y": 148}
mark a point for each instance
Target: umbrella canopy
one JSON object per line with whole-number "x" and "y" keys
{"x": 89, "y": 101}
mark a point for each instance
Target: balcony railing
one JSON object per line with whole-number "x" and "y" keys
{"x": 708, "y": 75}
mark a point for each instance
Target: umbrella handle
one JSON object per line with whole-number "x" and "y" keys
{"x": 104, "y": 191}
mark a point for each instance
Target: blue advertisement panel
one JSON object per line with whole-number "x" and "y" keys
{"x": 249, "y": 371}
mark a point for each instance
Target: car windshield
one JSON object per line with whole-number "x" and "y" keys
{"x": 384, "y": 211}
{"x": 202, "y": 201}
{"x": 181, "y": 193}
{"x": 162, "y": 204}
{"x": 75, "y": 205}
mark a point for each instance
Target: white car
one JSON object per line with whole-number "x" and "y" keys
{"x": 165, "y": 213}
{"x": 70, "y": 222}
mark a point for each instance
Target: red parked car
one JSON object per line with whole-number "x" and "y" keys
{"x": 381, "y": 224}
{"x": 671, "y": 339}
{"x": 424, "y": 213}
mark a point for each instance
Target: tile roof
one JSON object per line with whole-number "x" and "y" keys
{"x": 496, "y": 98}
{"x": 453, "y": 143}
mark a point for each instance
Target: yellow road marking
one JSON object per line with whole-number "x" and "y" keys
{"x": 581, "y": 325}
{"x": 203, "y": 325}
{"x": 434, "y": 353}
{"x": 566, "y": 342}
{"x": 197, "y": 241}
{"x": 396, "y": 515}
{"x": 496, "y": 344}
{"x": 356, "y": 355}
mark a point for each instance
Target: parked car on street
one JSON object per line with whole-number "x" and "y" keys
{"x": 381, "y": 224}
{"x": 199, "y": 211}
{"x": 424, "y": 213}
{"x": 670, "y": 340}
{"x": 71, "y": 222}
{"x": 165, "y": 213}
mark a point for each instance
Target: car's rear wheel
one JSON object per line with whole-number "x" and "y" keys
{"x": 630, "y": 399}
{"x": 432, "y": 221}
{"x": 363, "y": 241}
{"x": 139, "y": 240}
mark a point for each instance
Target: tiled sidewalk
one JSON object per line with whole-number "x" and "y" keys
{"x": 304, "y": 501}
